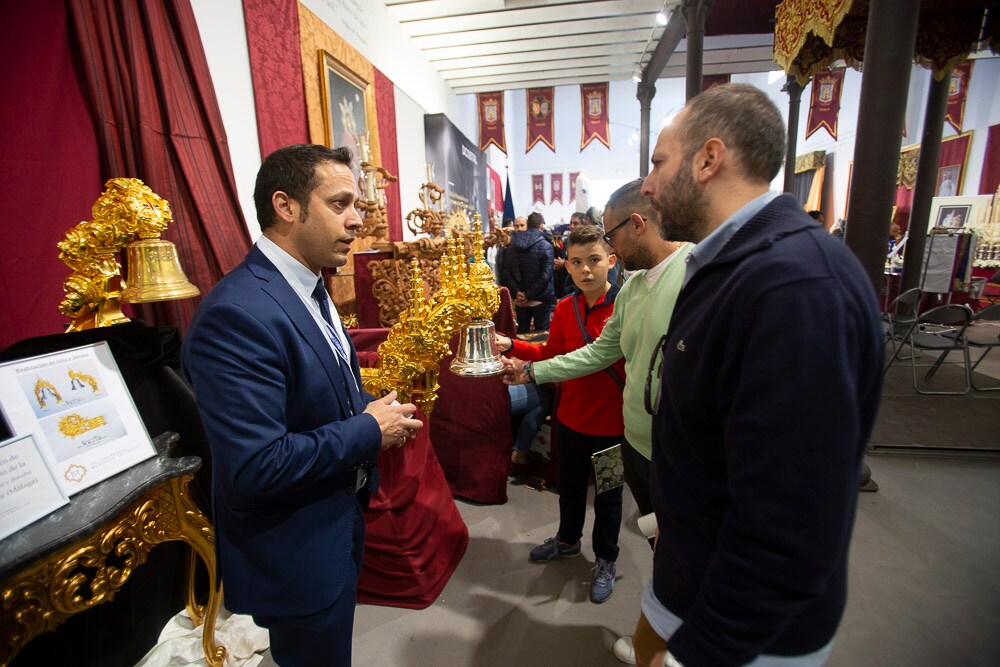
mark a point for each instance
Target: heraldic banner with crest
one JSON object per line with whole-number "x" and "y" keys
{"x": 491, "y": 121}
{"x": 824, "y": 108}
{"x": 958, "y": 89}
{"x": 594, "y": 100}
{"x": 537, "y": 189}
{"x": 556, "y": 181}
{"x": 710, "y": 81}
{"x": 541, "y": 110}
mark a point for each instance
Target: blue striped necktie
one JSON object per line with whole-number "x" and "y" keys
{"x": 350, "y": 382}
{"x": 323, "y": 298}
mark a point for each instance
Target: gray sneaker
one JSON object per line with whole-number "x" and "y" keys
{"x": 602, "y": 581}
{"x": 551, "y": 549}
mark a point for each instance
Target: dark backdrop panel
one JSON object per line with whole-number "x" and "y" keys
{"x": 459, "y": 165}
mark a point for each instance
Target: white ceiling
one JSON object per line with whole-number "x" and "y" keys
{"x": 486, "y": 45}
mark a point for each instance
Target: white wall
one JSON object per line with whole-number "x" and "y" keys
{"x": 412, "y": 154}
{"x": 223, "y": 34}
{"x": 372, "y": 29}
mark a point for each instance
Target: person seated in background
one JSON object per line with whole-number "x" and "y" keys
{"x": 533, "y": 402}
{"x": 818, "y": 217}
{"x": 589, "y": 418}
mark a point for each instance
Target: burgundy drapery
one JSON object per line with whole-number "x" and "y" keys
{"x": 953, "y": 152}
{"x": 990, "y": 179}
{"x": 150, "y": 93}
{"x": 276, "y": 69}
{"x": 385, "y": 109}
{"x": 49, "y": 175}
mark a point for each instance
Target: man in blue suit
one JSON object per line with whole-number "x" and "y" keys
{"x": 294, "y": 436}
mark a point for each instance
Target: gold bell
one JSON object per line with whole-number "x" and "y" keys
{"x": 155, "y": 273}
{"x": 477, "y": 351}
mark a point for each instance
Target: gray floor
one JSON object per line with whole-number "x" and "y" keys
{"x": 924, "y": 585}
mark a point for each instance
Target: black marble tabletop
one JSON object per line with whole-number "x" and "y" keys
{"x": 91, "y": 508}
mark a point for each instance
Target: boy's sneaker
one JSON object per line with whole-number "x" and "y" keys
{"x": 551, "y": 549}
{"x": 602, "y": 581}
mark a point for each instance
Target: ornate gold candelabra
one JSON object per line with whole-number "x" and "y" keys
{"x": 430, "y": 219}
{"x": 127, "y": 213}
{"x": 372, "y": 184}
{"x": 410, "y": 356}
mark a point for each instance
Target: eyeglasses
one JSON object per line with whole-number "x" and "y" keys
{"x": 608, "y": 234}
{"x": 651, "y": 399}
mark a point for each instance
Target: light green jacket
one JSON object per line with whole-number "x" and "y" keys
{"x": 641, "y": 316}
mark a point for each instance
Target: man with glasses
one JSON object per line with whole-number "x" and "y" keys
{"x": 771, "y": 377}
{"x": 641, "y": 315}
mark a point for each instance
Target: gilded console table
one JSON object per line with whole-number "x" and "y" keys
{"x": 82, "y": 554}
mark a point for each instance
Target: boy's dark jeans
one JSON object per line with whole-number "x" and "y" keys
{"x": 575, "y": 470}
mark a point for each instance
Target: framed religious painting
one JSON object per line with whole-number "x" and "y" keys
{"x": 957, "y": 213}
{"x": 348, "y": 107}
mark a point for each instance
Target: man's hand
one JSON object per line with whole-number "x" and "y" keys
{"x": 520, "y": 298}
{"x": 558, "y": 262}
{"x": 513, "y": 371}
{"x": 395, "y": 421}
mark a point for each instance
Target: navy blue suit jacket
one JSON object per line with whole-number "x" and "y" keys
{"x": 284, "y": 443}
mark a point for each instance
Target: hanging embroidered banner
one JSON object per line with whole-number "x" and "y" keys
{"x": 557, "y": 183}
{"x": 594, "y": 100}
{"x": 572, "y": 186}
{"x": 540, "y": 114}
{"x": 824, "y": 107}
{"x": 957, "y": 91}
{"x": 710, "y": 81}
{"x": 491, "y": 121}
{"x": 538, "y": 188}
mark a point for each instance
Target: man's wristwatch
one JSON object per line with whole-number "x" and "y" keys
{"x": 528, "y": 372}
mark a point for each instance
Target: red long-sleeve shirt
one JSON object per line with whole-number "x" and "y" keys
{"x": 591, "y": 404}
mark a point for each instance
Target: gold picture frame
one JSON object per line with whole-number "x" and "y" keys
{"x": 348, "y": 106}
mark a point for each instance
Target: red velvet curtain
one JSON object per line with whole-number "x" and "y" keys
{"x": 990, "y": 179}
{"x": 49, "y": 169}
{"x": 151, "y": 96}
{"x": 385, "y": 108}
{"x": 276, "y": 68}
{"x": 953, "y": 152}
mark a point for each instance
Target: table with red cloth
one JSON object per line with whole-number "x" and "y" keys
{"x": 415, "y": 535}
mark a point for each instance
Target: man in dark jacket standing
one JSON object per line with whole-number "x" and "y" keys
{"x": 771, "y": 383}
{"x": 528, "y": 266}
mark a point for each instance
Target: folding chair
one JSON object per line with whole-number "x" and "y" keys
{"x": 941, "y": 330}
{"x": 984, "y": 332}
{"x": 900, "y": 317}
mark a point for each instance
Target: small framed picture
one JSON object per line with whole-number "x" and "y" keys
{"x": 952, "y": 214}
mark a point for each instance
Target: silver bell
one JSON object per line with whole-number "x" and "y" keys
{"x": 477, "y": 354}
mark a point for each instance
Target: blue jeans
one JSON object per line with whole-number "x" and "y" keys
{"x": 534, "y": 403}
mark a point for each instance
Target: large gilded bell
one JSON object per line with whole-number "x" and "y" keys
{"x": 477, "y": 351}
{"x": 155, "y": 273}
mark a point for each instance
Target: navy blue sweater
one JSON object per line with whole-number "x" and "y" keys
{"x": 772, "y": 378}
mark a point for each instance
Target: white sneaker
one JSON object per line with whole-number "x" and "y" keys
{"x": 624, "y": 651}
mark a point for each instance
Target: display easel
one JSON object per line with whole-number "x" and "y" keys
{"x": 944, "y": 253}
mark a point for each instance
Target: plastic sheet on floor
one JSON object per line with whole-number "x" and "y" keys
{"x": 180, "y": 642}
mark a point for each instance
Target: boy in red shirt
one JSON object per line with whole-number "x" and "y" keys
{"x": 589, "y": 418}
